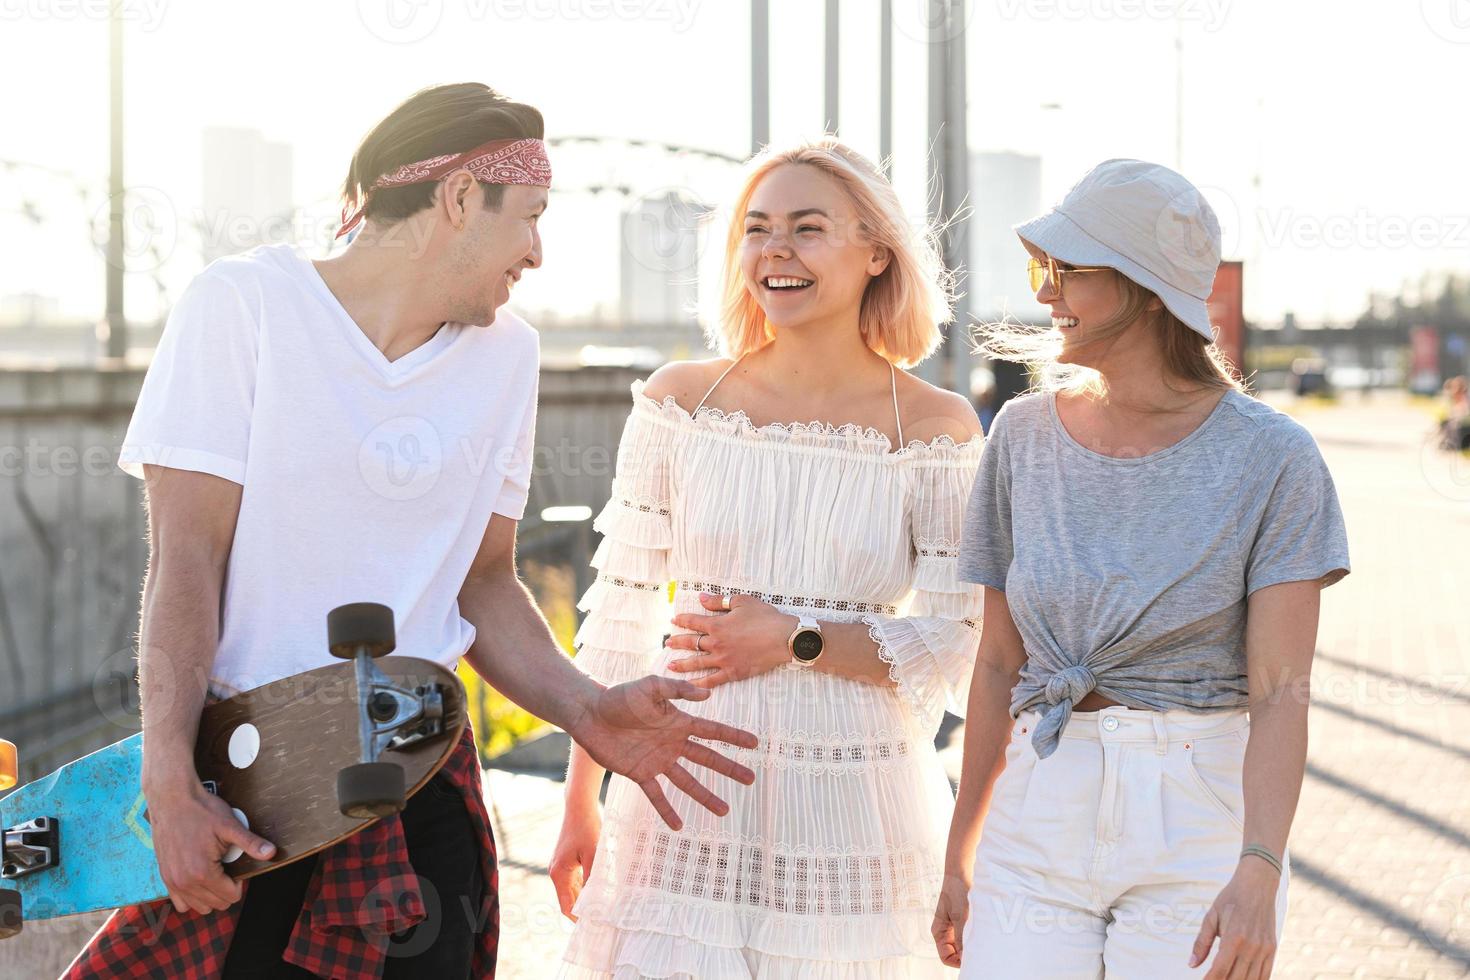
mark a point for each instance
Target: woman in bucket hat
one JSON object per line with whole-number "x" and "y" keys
{"x": 1152, "y": 542}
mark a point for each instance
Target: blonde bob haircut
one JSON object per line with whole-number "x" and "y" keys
{"x": 902, "y": 306}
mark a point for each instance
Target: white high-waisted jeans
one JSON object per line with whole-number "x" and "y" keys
{"x": 1103, "y": 858}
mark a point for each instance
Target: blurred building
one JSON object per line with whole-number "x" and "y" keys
{"x": 659, "y": 261}
{"x": 1005, "y": 189}
{"x": 248, "y": 192}
{"x": 29, "y": 309}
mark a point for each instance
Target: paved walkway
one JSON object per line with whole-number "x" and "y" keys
{"x": 1381, "y": 843}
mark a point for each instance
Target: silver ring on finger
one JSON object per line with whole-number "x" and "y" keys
{"x": 696, "y": 642}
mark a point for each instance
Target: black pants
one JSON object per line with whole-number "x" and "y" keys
{"x": 443, "y": 849}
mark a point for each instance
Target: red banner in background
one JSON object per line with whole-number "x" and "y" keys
{"x": 1226, "y": 315}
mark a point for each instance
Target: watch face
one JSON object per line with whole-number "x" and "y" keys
{"x": 807, "y": 645}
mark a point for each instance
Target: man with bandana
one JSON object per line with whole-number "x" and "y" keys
{"x": 314, "y": 433}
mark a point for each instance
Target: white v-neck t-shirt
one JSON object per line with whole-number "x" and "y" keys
{"x": 365, "y": 480}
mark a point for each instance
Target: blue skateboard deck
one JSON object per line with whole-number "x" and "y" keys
{"x": 97, "y": 803}
{"x": 273, "y": 754}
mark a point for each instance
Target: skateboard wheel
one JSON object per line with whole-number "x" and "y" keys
{"x": 9, "y": 769}
{"x": 371, "y": 789}
{"x": 10, "y": 913}
{"x": 360, "y": 624}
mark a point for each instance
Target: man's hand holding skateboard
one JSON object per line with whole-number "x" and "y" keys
{"x": 192, "y": 833}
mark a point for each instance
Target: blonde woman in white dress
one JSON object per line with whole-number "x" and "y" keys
{"x": 785, "y": 538}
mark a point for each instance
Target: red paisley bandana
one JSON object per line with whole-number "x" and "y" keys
{"x": 518, "y": 161}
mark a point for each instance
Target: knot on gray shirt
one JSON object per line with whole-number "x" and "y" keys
{"x": 1071, "y": 684}
{"x": 1063, "y": 689}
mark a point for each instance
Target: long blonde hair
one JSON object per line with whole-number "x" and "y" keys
{"x": 902, "y": 307}
{"x": 1188, "y": 356}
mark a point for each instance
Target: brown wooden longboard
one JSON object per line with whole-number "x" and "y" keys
{"x": 79, "y": 840}
{"x": 305, "y": 730}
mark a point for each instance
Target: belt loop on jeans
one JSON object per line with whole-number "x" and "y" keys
{"x": 1161, "y": 733}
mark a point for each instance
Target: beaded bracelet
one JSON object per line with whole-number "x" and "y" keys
{"x": 1263, "y": 854}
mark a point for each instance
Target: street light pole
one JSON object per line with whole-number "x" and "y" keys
{"x": 957, "y": 186}
{"x": 117, "y": 324}
{"x": 1178, "y": 93}
{"x": 760, "y": 74}
{"x": 830, "y": 91}
{"x": 949, "y": 157}
{"x": 885, "y": 89}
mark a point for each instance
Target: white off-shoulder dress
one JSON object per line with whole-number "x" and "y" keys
{"x": 829, "y": 866}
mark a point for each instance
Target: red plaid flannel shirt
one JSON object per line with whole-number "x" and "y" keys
{"x": 363, "y": 890}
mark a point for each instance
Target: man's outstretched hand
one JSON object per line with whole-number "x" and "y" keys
{"x": 634, "y": 729}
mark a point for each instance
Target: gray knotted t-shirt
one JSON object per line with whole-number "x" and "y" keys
{"x": 1129, "y": 576}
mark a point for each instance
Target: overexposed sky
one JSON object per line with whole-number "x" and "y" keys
{"x": 1327, "y": 134}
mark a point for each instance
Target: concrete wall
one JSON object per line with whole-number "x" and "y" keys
{"x": 72, "y": 551}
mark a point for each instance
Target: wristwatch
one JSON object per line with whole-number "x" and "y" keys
{"x": 806, "y": 641}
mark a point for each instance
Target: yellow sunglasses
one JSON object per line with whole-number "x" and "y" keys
{"x": 1040, "y": 272}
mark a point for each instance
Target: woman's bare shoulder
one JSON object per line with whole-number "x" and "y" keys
{"x": 930, "y": 412}
{"x": 686, "y": 381}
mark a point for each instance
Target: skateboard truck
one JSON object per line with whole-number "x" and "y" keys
{"x": 389, "y": 717}
{"x": 396, "y": 718}
{"x": 30, "y": 847}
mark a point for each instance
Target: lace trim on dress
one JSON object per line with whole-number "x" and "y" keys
{"x": 847, "y": 430}
{"x": 942, "y": 448}
{"x": 916, "y": 680}
{"x": 643, "y": 525}
{"x": 778, "y": 599}
{"x": 643, "y": 506}
{"x": 818, "y": 752}
{"x": 627, "y": 583}
{"x": 703, "y": 866}
{"x": 875, "y": 633}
